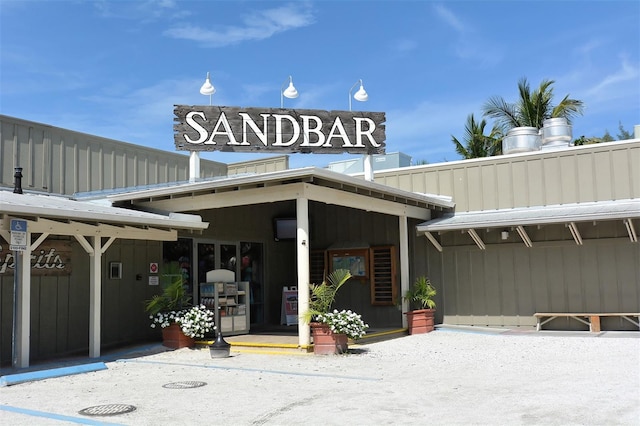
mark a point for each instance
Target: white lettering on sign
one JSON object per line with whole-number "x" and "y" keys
{"x": 250, "y": 129}
{"x": 46, "y": 261}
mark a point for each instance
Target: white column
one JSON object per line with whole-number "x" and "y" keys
{"x": 368, "y": 167}
{"x": 302, "y": 255}
{"x": 194, "y": 166}
{"x": 95, "y": 297}
{"x": 404, "y": 264}
{"x": 22, "y": 298}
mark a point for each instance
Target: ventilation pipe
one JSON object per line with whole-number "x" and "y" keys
{"x": 556, "y": 133}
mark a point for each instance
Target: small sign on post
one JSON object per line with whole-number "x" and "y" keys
{"x": 18, "y": 235}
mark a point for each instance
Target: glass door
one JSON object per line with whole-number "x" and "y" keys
{"x": 251, "y": 271}
{"x": 244, "y": 259}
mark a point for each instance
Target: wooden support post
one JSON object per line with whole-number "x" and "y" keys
{"x": 594, "y": 321}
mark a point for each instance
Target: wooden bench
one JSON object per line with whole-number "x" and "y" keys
{"x": 590, "y": 319}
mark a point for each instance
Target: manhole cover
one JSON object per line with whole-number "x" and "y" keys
{"x": 107, "y": 410}
{"x": 183, "y": 385}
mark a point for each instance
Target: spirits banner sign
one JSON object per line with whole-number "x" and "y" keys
{"x": 50, "y": 258}
{"x": 235, "y": 129}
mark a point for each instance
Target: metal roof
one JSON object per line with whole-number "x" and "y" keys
{"x": 310, "y": 182}
{"x": 518, "y": 218}
{"x": 313, "y": 175}
{"x": 50, "y": 213}
{"x": 539, "y": 215}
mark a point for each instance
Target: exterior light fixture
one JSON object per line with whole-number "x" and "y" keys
{"x": 360, "y": 95}
{"x": 290, "y": 92}
{"x": 367, "y": 160}
{"x": 505, "y": 235}
{"x": 207, "y": 88}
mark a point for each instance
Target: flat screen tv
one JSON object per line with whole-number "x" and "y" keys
{"x": 284, "y": 228}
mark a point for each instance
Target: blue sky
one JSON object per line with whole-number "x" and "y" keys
{"x": 116, "y": 68}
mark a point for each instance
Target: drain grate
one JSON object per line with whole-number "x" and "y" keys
{"x": 107, "y": 410}
{"x": 183, "y": 385}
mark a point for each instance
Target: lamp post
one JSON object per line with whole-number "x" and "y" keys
{"x": 362, "y": 96}
{"x": 290, "y": 92}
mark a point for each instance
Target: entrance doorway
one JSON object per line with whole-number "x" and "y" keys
{"x": 245, "y": 259}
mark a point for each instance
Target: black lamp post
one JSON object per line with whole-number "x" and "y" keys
{"x": 17, "y": 187}
{"x": 220, "y": 348}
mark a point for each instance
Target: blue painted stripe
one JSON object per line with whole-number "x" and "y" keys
{"x": 257, "y": 370}
{"x": 13, "y": 379}
{"x": 79, "y": 420}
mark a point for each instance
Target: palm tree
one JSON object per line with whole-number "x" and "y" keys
{"x": 532, "y": 108}
{"x": 477, "y": 144}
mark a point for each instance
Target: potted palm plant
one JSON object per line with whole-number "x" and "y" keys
{"x": 332, "y": 329}
{"x": 420, "y": 296}
{"x": 171, "y": 310}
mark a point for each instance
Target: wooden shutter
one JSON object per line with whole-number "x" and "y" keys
{"x": 383, "y": 275}
{"x": 316, "y": 266}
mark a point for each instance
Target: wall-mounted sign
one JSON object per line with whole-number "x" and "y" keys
{"x": 235, "y": 129}
{"x": 50, "y": 258}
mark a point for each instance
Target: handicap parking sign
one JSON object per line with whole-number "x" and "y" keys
{"x": 18, "y": 225}
{"x": 18, "y": 235}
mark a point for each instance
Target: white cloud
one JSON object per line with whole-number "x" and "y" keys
{"x": 470, "y": 45}
{"x": 257, "y": 26}
{"x": 405, "y": 45}
{"x": 625, "y": 74}
{"x": 449, "y": 18}
{"x": 144, "y": 11}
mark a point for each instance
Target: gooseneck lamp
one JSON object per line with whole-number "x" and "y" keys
{"x": 360, "y": 95}
{"x": 207, "y": 88}
{"x": 290, "y": 92}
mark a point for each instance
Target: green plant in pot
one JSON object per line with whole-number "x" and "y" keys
{"x": 421, "y": 296}
{"x": 174, "y": 296}
{"x": 171, "y": 308}
{"x": 331, "y": 329}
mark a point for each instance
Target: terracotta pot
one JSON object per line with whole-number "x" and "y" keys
{"x": 326, "y": 342}
{"x": 174, "y": 338}
{"x": 420, "y": 321}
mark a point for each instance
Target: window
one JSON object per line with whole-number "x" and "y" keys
{"x": 355, "y": 261}
{"x": 380, "y": 269}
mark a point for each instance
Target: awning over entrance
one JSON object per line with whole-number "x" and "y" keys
{"x": 301, "y": 185}
{"x": 318, "y": 184}
{"x": 88, "y": 223}
{"x": 517, "y": 218}
{"x": 65, "y": 216}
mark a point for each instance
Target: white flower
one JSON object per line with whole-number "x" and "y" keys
{"x": 344, "y": 322}
{"x": 194, "y": 322}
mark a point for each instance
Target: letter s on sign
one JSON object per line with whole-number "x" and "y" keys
{"x": 197, "y": 127}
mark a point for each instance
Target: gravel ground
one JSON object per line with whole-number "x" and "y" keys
{"x": 441, "y": 378}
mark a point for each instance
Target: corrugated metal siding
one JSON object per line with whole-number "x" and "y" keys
{"x": 62, "y": 161}
{"x": 60, "y": 304}
{"x": 506, "y": 284}
{"x": 606, "y": 171}
{"x": 272, "y": 164}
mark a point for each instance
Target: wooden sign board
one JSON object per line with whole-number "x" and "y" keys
{"x": 50, "y": 258}
{"x": 235, "y": 129}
